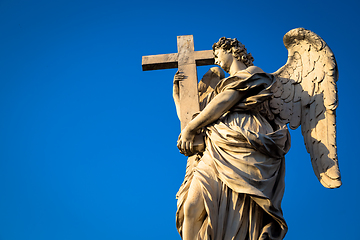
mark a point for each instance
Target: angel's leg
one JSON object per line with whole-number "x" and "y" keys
{"x": 194, "y": 211}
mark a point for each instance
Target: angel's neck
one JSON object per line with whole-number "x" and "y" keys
{"x": 236, "y": 66}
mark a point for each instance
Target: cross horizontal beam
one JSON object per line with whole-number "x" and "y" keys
{"x": 166, "y": 61}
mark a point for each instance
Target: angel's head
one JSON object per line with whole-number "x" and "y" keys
{"x": 236, "y": 48}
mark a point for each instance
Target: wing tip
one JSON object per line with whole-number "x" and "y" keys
{"x": 333, "y": 184}
{"x": 329, "y": 182}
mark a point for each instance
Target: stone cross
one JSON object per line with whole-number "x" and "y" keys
{"x": 186, "y": 61}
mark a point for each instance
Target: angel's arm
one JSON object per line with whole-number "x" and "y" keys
{"x": 178, "y": 77}
{"x": 213, "y": 111}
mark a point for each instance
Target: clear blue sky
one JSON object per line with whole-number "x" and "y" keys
{"x": 88, "y": 140}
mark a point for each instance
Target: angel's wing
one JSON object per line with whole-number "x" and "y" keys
{"x": 305, "y": 94}
{"x": 207, "y": 85}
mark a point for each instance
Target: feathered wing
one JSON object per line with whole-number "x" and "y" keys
{"x": 305, "y": 94}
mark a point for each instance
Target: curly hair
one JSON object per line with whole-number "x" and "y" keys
{"x": 237, "y": 49}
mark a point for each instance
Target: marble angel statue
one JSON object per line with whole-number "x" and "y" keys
{"x": 234, "y": 188}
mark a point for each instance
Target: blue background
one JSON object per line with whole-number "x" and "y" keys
{"x": 88, "y": 140}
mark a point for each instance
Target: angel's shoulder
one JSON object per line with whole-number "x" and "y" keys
{"x": 254, "y": 69}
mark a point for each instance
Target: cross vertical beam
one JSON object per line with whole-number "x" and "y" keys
{"x": 186, "y": 61}
{"x": 189, "y": 97}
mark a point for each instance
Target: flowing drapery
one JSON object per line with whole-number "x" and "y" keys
{"x": 241, "y": 172}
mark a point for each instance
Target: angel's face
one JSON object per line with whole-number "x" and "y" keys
{"x": 223, "y": 59}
